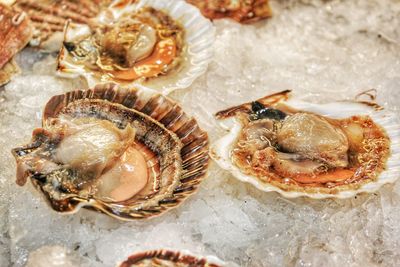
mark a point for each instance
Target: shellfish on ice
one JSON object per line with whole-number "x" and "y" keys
{"x": 244, "y": 11}
{"x": 161, "y": 44}
{"x": 282, "y": 144}
{"x": 166, "y": 258}
{"x": 129, "y": 153}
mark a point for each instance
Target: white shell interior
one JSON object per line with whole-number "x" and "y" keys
{"x": 221, "y": 149}
{"x": 199, "y": 40}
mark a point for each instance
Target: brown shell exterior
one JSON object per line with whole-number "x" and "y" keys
{"x": 166, "y": 255}
{"x": 50, "y": 16}
{"x": 194, "y": 152}
{"x": 15, "y": 32}
{"x": 8, "y": 71}
{"x": 249, "y": 12}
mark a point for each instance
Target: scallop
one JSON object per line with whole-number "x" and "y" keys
{"x": 50, "y": 16}
{"x": 128, "y": 153}
{"x": 15, "y": 33}
{"x": 164, "y": 45}
{"x": 167, "y": 258}
{"x": 243, "y": 11}
{"x": 279, "y": 143}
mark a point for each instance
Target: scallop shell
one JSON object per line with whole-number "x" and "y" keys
{"x": 170, "y": 258}
{"x": 198, "y": 46}
{"x": 152, "y": 115}
{"x": 222, "y": 148}
{"x": 15, "y": 33}
{"x": 9, "y": 70}
{"x": 243, "y": 11}
{"x": 49, "y": 18}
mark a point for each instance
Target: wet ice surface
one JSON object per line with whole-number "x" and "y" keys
{"x": 325, "y": 51}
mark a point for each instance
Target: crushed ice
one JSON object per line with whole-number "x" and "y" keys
{"x": 324, "y": 50}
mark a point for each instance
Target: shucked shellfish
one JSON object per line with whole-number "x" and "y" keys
{"x": 166, "y": 258}
{"x": 163, "y": 44}
{"x": 127, "y": 153}
{"x": 296, "y": 148}
{"x": 244, "y": 11}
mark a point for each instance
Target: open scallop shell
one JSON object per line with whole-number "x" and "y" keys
{"x": 167, "y": 258}
{"x": 196, "y": 54}
{"x": 49, "y": 18}
{"x": 221, "y": 150}
{"x": 159, "y": 122}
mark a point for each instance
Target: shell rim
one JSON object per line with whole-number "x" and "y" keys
{"x": 176, "y": 254}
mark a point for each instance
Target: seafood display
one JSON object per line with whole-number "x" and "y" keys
{"x": 128, "y": 153}
{"x": 244, "y": 11}
{"x": 15, "y": 33}
{"x": 279, "y": 143}
{"x": 166, "y": 258}
{"x": 157, "y": 43}
{"x": 124, "y": 146}
{"x": 49, "y": 17}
